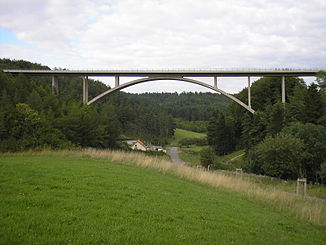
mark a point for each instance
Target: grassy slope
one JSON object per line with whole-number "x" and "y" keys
{"x": 180, "y": 134}
{"x": 186, "y": 154}
{"x": 191, "y": 155}
{"x": 318, "y": 191}
{"x": 56, "y": 200}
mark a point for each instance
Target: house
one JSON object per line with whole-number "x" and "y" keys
{"x": 137, "y": 145}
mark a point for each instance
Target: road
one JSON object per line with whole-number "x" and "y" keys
{"x": 173, "y": 152}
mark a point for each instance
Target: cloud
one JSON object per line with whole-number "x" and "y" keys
{"x": 168, "y": 33}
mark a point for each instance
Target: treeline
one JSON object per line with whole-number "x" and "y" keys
{"x": 190, "y": 111}
{"x": 31, "y": 117}
{"x": 282, "y": 140}
{"x": 190, "y": 106}
{"x": 140, "y": 117}
{"x": 195, "y": 126}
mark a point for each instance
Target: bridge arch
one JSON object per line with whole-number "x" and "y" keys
{"x": 149, "y": 79}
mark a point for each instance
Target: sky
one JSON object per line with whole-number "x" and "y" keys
{"x": 168, "y": 34}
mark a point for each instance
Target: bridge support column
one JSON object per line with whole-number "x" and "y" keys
{"x": 215, "y": 82}
{"x": 85, "y": 90}
{"x": 283, "y": 89}
{"x": 117, "y": 81}
{"x": 55, "y": 85}
{"x": 249, "y": 92}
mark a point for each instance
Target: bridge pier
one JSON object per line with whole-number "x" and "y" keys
{"x": 215, "y": 82}
{"x": 117, "y": 81}
{"x": 283, "y": 89}
{"x": 249, "y": 92}
{"x": 85, "y": 90}
{"x": 55, "y": 85}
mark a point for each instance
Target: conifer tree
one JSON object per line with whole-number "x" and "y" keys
{"x": 219, "y": 134}
{"x": 313, "y": 102}
{"x": 277, "y": 119}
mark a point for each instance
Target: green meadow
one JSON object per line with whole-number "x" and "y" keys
{"x": 180, "y": 134}
{"x": 56, "y": 199}
{"x": 191, "y": 155}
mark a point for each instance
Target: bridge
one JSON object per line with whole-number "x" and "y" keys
{"x": 159, "y": 75}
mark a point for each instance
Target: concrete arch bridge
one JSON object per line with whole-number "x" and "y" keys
{"x": 159, "y": 75}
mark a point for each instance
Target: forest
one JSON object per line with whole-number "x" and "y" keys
{"x": 282, "y": 140}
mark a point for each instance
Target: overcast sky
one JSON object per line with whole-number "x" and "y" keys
{"x": 102, "y": 34}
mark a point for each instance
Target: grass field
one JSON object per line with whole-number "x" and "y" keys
{"x": 180, "y": 134}
{"x": 84, "y": 198}
{"x": 191, "y": 156}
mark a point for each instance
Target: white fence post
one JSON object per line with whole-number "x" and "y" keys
{"x": 302, "y": 187}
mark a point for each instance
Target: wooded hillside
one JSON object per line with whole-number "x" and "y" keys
{"x": 282, "y": 140}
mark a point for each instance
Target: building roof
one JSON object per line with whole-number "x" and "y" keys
{"x": 130, "y": 142}
{"x": 140, "y": 142}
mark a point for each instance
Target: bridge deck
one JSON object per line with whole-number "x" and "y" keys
{"x": 173, "y": 73}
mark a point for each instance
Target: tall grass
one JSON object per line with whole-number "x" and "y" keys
{"x": 313, "y": 211}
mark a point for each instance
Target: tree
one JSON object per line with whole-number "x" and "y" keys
{"x": 277, "y": 119}
{"x": 314, "y": 106}
{"x": 314, "y": 151}
{"x": 219, "y": 134}
{"x": 321, "y": 79}
{"x": 296, "y": 107}
{"x": 279, "y": 156}
{"x": 26, "y": 126}
{"x": 254, "y": 129}
{"x": 23, "y": 128}
{"x": 35, "y": 100}
{"x": 111, "y": 125}
{"x": 322, "y": 173}
{"x": 81, "y": 126}
{"x": 207, "y": 156}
